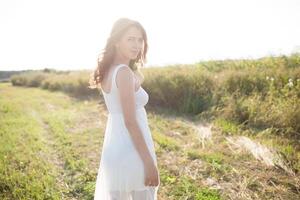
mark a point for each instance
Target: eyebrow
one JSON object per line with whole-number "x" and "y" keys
{"x": 135, "y": 37}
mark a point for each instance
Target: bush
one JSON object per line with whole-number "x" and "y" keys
{"x": 262, "y": 92}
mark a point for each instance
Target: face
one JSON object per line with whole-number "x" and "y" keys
{"x": 130, "y": 44}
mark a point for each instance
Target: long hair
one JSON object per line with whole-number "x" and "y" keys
{"x": 107, "y": 55}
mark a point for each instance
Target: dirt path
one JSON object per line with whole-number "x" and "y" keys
{"x": 191, "y": 155}
{"x": 54, "y": 156}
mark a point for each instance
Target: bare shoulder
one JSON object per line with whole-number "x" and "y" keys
{"x": 124, "y": 75}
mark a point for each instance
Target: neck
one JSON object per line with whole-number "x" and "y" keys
{"x": 120, "y": 60}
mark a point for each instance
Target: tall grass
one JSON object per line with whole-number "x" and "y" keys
{"x": 263, "y": 92}
{"x": 72, "y": 82}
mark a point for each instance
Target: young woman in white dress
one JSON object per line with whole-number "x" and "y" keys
{"x": 128, "y": 166}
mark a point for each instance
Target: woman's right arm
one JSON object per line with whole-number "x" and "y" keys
{"x": 125, "y": 83}
{"x": 126, "y": 88}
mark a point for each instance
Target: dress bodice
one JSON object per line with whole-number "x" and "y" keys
{"x": 112, "y": 99}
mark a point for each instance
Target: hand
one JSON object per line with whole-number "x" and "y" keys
{"x": 151, "y": 175}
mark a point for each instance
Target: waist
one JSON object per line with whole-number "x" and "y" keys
{"x": 139, "y": 109}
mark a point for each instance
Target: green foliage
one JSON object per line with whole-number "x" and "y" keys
{"x": 38, "y": 157}
{"x": 193, "y": 155}
{"x": 23, "y": 172}
{"x": 165, "y": 142}
{"x": 180, "y": 89}
{"x": 183, "y": 187}
{"x": 75, "y": 82}
{"x": 227, "y": 126}
{"x": 30, "y": 79}
{"x": 263, "y": 92}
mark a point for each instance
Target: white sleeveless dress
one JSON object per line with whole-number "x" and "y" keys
{"x": 121, "y": 172}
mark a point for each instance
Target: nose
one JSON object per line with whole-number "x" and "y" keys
{"x": 137, "y": 45}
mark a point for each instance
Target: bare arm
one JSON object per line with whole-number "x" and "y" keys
{"x": 125, "y": 83}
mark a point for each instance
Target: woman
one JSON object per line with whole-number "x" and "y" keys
{"x": 128, "y": 166}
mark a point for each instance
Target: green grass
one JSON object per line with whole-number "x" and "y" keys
{"x": 50, "y": 149}
{"x": 24, "y": 174}
{"x": 183, "y": 187}
{"x": 193, "y": 154}
{"x": 228, "y": 127}
{"x": 27, "y": 170}
{"x": 166, "y": 142}
{"x": 44, "y": 116}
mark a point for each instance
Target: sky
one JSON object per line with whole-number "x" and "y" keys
{"x": 70, "y": 34}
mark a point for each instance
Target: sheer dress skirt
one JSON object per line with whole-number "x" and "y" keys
{"x": 121, "y": 171}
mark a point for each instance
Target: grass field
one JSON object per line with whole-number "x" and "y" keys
{"x": 51, "y": 142}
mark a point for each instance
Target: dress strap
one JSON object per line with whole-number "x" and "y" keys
{"x": 114, "y": 83}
